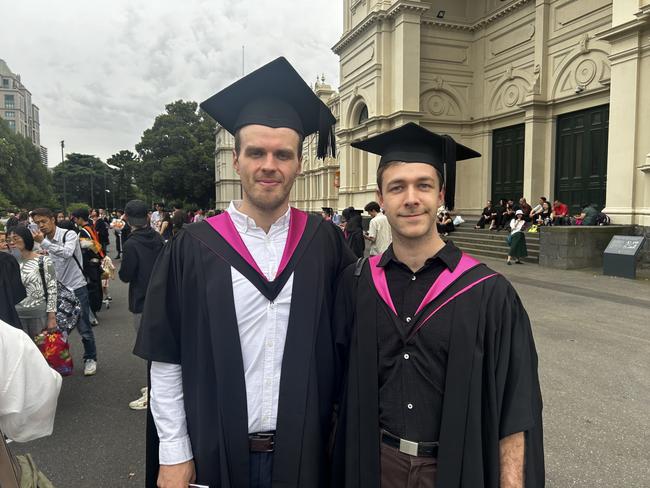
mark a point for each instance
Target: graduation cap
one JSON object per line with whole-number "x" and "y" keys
{"x": 328, "y": 211}
{"x": 275, "y": 96}
{"x": 411, "y": 143}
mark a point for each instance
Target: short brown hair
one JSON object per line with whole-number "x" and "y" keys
{"x": 238, "y": 142}
{"x": 384, "y": 167}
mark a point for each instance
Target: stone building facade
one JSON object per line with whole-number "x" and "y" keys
{"x": 16, "y": 106}
{"x": 555, "y": 95}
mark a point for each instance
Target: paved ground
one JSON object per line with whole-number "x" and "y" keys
{"x": 593, "y": 337}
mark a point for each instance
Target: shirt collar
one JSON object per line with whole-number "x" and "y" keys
{"x": 449, "y": 255}
{"x": 244, "y": 223}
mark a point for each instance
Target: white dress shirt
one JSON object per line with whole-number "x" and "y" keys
{"x": 262, "y": 331}
{"x": 380, "y": 231}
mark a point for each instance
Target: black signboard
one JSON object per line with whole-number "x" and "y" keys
{"x": 620, "y": 256}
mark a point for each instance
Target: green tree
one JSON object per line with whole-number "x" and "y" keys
{"x": 177, "y": 156}
{"x": 123, "y": 186}
{"x": 24, "y": 180}
{"x": 86, "y": 178}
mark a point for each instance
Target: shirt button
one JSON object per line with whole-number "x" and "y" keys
{"x": 413, "y": 278}
{"x": 409, "y": 406}
{"x": 406, "y": 356}
{"x": 408, "y": 319}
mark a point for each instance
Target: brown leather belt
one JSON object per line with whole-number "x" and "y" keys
{"x": 261, "y": 441}
{"x": 420, "y": 449}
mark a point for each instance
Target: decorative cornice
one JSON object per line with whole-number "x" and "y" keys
{"x": 628, "y": 28}
{"x": 481, "y": 24}
{"x": 375, "y": 17}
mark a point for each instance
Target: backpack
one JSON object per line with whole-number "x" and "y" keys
{"x": 603, "y": 219}
{"x": 68, "y": 306}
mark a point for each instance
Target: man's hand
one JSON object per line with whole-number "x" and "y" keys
{"x": 176, "y": 475}
{"x": 38, "y": 236}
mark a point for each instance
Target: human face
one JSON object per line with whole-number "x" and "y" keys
{"x": 46, "y": 225}
{"x": 17, "y": 241}
{"x": 60, "y": 217}
{"x": 410, "y": 196}
{"x": 3, "y": 242}
{"x": 267, "y": 165}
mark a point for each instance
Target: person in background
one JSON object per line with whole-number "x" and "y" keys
{"x": 166, "y": 226}
{"x": 544, "y": 217}
{"x": 12, "y": 290}
{"x": 62, "y": 245}
{"x": 588, "y": 215}
{"x": 198, "y": 216}
{"x": 121, "y": 229}
{"x": 60, "y": 216}
{"x": 327, "y": 214}
{"x": 445, "y": 223}
{"x": 178, "y": 221}
{"x": 508, "y": 214}
{"x": 517, "y": 239}
{"x": 379, "y": 233}
{"x": 3, "y": 242}
{"x": 140, "y": 253}
{"x": 560, "y": 214}
{"x": 101, "y": 227}
{"x": 93, "y": 254}
{"x": 525, "y": 208}
{"x": 37, "y": 311}
{"x": 353, "y": 231}
{"x": 486, "y": 216}
{"x": 156, "y": 217}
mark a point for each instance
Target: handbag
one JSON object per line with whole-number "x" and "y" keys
{"x": 68, "y": 306}
{"x": 56, "y": 351}
{"x": 10, "y": 472}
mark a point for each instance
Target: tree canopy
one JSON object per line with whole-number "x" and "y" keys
{"x": 86, "y": 179}
{"x": 25, "y": 182}
{"x": 177, "y": 156}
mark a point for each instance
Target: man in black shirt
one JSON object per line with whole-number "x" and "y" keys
{"x": 442, "y": 385}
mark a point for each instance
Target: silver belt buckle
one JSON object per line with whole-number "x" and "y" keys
{"x": 408, "y": 447}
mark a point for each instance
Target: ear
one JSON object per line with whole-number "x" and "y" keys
{"x": 235, "y": 161}
{"x": 380, "y": 198}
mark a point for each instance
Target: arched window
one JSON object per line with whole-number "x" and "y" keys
{"x": 363, "y": 115}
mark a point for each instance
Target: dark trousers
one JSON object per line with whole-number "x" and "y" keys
{"x": 261, "y": 469}
{"x": 83, "y": 326}
{"x": 399, "y": 470}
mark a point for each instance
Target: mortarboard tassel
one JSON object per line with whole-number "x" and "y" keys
{"x": 326, "y": 137}
{"x": 450, "y": 172}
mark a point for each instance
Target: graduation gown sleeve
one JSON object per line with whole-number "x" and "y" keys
{"x": 12, "y": 291}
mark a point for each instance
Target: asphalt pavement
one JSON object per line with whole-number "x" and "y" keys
{"x": 593, "y": 339}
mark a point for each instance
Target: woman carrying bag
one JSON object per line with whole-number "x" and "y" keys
{"x": 517, "y": 239}
{"x": 37, "y": 311}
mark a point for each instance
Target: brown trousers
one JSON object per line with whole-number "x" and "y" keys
{"x": 399, "y": 470}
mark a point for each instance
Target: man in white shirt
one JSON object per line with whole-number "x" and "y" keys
{"x": 246, "y": 365}
{"x": 63, "y": 248}
{"x": 156, "y": 217}
{"x": 29, "y": 388}
{"x": 379, "y": 233}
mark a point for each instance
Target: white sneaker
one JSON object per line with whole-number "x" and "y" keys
{"x": 90, "y": 367}
{"x": 142, "y": 402}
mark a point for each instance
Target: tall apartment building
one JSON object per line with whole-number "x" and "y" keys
{"x": 16, "y": 106}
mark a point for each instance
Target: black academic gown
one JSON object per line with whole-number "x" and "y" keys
{"x": 491, "y": 386}
{"x": 12, "y": 291}
{"x": 189, "y": 319}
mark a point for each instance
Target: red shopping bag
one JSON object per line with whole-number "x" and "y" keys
{"x": 56, "y": 350}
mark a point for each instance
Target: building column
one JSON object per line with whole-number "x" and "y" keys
{"x": 627, "y": 143}
{"x": 536, "y": 154}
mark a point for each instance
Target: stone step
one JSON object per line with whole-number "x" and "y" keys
{"x": 492, "y": 247}
{"x": 491, "y": 234}
{"x": 472, "y": 240}
{"x": 479, "y": 252}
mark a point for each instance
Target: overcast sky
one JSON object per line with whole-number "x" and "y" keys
{"x": 100, "y": 71}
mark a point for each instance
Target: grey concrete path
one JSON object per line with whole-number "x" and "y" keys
{"x": 593, "y": 338}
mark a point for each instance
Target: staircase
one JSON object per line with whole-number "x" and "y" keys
{"x": 489, "y": 243}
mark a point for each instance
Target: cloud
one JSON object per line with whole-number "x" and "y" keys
{"x": 101, "y": 71}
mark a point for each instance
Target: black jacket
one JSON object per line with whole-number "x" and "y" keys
{"x": 138, "y": 257}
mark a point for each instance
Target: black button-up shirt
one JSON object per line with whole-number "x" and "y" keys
{"x": 412, "y": 375}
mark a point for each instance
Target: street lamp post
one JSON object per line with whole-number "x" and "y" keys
{"x": 105, "y": 190}
{"x": 92, "y": 190}
{"x": 65, "y": 195}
